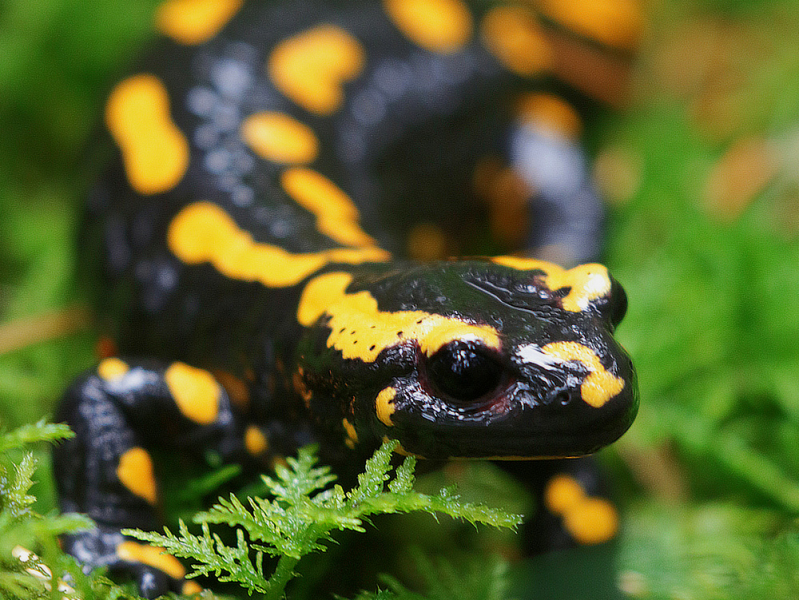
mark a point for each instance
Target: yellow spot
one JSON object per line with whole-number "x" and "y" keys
{"x": 154, "y": 151}
{"x": 152, "y": 556}
{"x": 195, "y": 391}
{"x": 443, "y": 26}
{"x": 562, "y": 494}
{"x": 360, "y": 330}
{"x": 311, "y": 67}
{"x": 587, "y": 282}
{"x": 352, "y": 435}
{"x": 336, "y": 215}
{"x": 551, "y": 113}
{"x": 513, "y": 35}
{"x": 589, "y": 520}
{"x": 618, "y": 23}
{"x": 190, "y": 588}
{"x": 384, "y": 405}
{"x": 592, "y": 521}
{"x": 193, "y": 22}
{"x": 600, "y": 385}
{"x": 279, "y": 138}
{"x": 135, "y": 471}
{"x": 112, "y": 368}
{"x": 255, "y": 441}
{"x": 204, "y": 232}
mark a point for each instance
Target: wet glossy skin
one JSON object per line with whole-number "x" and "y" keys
{"x": 274, "y": 162}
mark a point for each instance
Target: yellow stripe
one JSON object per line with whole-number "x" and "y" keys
{"x": 335, "y": 212}
{"x": 360, "y": 330}
{"x": 587, "y": 282}
{"x": 112, "y": 368}
{"x": 204, "y": 232}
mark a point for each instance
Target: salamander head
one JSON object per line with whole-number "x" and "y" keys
{"x": 508, "y": 358}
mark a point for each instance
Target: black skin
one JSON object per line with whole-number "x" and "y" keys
{"x": 466, "y": 399}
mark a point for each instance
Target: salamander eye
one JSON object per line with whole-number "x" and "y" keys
{"x": 462, "y": 372}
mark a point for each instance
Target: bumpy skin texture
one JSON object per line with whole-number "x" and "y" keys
{"x": 274, "y": 160}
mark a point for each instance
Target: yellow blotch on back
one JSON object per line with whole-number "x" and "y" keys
{"x": 112, "y": 368}
{"x": 589, "y": 520}
{"x": 618, "y": 23}
{"x": 443, "y": 26}
{"x": 587, "y": 282}
{"x": 600, "y": 385}
{"x": 152, "y": 556}
{"x": 135, "y": 471}
{"x": 154, "y": 151}
{"x": 280, "y": 138}
{"x": 513, "y": 35}
{"x": 193, "y": 22}
{"x": 195, "y": 391}
{"x": 255, "y": 441}
{"x": 204, "y": 232}
{"x": 360, "y": 330}
{"x": 336, "y": 215}
{"x": 311, "y": 67}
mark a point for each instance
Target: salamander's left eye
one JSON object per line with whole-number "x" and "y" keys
{"x": 461, "y": 371}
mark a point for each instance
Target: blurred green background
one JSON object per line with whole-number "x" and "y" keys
{"x": 702, "y": 176}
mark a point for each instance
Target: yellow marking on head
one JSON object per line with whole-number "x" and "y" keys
{"x": 600, "y": 385}
{"x": 443, "y": 26}
{"x": 195, "y": 391}
{"x": 192, "y": 22}
{"x": 514, "y": 36}
{"x": 112, "y": 368}
{"x": 152, "y": 556}
{"x": 135, "y": 471}
{"x": 384, "y": 406}
{"x": 280, "y": 138}
{"x": 618, "y": 23}
{"x": 360, "y": 330}
{"x": 311, "y": 67}
{"x": 255, "y": 441}
{"x": 190, "y": 588}
{"x": 352, "y": 435}
{"x": 204, "y": 232}
{"x": 336, "y": 215}
{"x": 562, "y": 493}
{"x": 587, "y": 282}
{"x": 550, "y": 112}
{"x": 154, "y": 151}
{"x": 592, "y": 521}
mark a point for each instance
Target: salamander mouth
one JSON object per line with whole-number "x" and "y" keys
{"x": 509, "y": 428}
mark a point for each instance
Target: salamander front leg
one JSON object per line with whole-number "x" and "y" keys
{"x": 120, "y": 411}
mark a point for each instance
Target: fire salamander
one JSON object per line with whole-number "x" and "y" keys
{"x": 289, "y": 179}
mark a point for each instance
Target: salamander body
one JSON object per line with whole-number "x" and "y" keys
{"x": 289, "y": 179}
